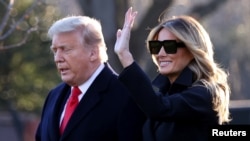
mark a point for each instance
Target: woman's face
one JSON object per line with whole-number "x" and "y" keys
{"x": 171, "y": 65}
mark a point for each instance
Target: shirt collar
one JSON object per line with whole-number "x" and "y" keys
{"x": 84, "y": 87}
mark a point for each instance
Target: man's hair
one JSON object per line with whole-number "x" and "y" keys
{"x": 90, "y": 29}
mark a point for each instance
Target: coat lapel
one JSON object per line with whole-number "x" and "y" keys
{"x": 87, "y": 103}
{"x": 61, "y": 94}
{"x": 90, "y": 100}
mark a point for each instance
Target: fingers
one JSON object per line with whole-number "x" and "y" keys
{"x": 129, "y": 18}
{"x": 133, "y": 15}
{"x": 118, "y": 33}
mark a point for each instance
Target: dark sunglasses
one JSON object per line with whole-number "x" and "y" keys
{"x": 170, "y": 46}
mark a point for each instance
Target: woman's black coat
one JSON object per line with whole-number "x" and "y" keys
{"x": 178, "y": 112}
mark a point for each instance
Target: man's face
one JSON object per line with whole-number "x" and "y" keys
{"x": 71, "y": 57}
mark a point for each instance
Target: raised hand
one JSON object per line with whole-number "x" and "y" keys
{"x": 123, "y": 37}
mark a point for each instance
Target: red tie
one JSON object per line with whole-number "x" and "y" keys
{"x": 70, "y": 107}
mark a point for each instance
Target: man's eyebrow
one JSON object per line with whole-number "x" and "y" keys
{"x": 52, "y": 46}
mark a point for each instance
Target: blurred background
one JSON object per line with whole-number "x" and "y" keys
{"x": 27, "y": 70}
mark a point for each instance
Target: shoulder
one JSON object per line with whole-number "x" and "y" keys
{"x": 59, "y": 90}
{"x": 60, "y": 87}
{"x": 199, "y": 92}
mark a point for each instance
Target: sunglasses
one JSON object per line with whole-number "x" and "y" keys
{"x": 170, "y": 46}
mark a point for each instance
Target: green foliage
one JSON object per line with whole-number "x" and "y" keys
{"x": 28, "y": 72}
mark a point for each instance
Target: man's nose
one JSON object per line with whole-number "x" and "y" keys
{"x": 58, "y": 56}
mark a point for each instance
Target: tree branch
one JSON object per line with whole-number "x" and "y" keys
{"x": 25, "y": 38}
{"x": 13, "y": 28}
{"x": 6, "y": 16}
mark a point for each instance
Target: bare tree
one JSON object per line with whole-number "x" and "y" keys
{"x": 10, "y": 26}
{"x": 6, "y": 29}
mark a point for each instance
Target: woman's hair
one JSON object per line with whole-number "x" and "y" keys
{"x": 90, "y": 29}
{"x": 206, "y": 70}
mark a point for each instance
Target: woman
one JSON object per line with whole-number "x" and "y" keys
{"x": 193, "y": 91}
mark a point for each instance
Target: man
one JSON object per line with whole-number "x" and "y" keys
{"x": 104, "y": 111}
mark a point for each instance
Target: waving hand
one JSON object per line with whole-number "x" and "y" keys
{"x": 123, "y": 37}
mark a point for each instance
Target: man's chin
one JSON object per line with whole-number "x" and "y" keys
{"x": 66, "y": 80}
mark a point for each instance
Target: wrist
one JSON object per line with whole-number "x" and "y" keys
{"x": 125, "y": 58}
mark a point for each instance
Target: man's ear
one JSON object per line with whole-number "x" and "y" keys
{"x": 94, "y": 54}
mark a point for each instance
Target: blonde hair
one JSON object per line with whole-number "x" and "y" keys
{"x": 89, "y": 28}
{"x": 206, "y": 70}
